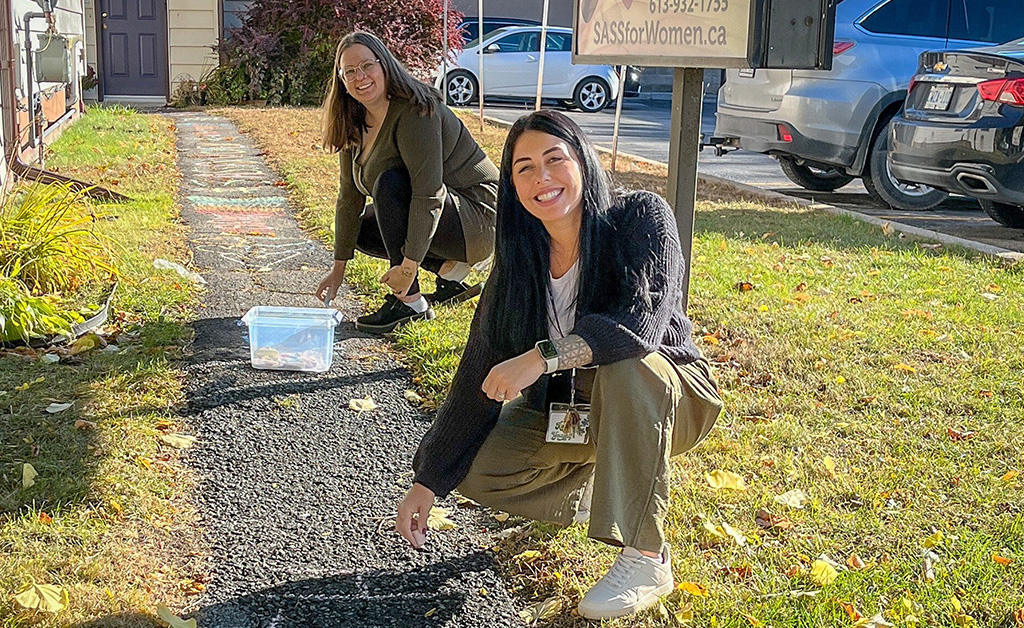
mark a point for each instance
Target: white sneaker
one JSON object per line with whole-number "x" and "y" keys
{"x": 634, "y": 582}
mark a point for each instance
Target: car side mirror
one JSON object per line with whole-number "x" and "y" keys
{"x": 493, "y": 48}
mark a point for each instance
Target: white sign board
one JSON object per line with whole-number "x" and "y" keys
{"x": 672, "y": 33}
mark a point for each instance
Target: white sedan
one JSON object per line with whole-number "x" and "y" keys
{"x": 511, "y": 61}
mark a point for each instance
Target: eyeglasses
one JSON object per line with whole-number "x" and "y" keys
{"x": 350, "y": 74}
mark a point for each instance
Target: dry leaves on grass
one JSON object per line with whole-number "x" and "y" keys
{"x": 794, "y": 498}
{"x": 822, "y": 573}
{"x": 768, "y": 521}
{"x": 438, "y": 519}
{"x": 46, "y": 598}
{"x": 172, "y": 620}
{"x": 54, "y": 408}
{"x": 28, "y": 475}
{"x": 541, "y": 611}
{"x": 719, "y": 479}
{"x": 693, "y": 588}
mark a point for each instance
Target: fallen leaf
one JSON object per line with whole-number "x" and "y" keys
{"x": 684, "y": 613}
{"x": 934, "y": 540}
{"x": 82, "y": 424}
{"x": 86, "y": 343}
{"x": 888, "y": 229}
{"x": 527, "y": 556}
{"x": 45, "y": 518}
{"x": 905, "y": 367}
{"x": 500, "y": 516}
{"x": 693, "y": 589}
{"x": 875, "y": 622}
{"x": 855, "y": 562}
{"x": 830, "y": 465}
{"x": 753, "y": 621}
{"x": 851, "y": 611}
{"x": 744, "y": 286}
{"x": 47, "y": 598}
{"x": 1002, "y": 560}
{"x": 800, "y": 595}
{"x": 541, "y": 610}
{"x": 178, "y": 441}
{"x": 49, "y": 358}
{"x": 1009, "y": 475}
{"x": 362, "y": 405}
{"x": 431, "y": 612}
{"x": 54, "y": 408}
{"x": 964, "y": 621}
{"x": 822, "y": 573}
{"x": 793, "y": 571}
{"x": 928, "y": 569}
{"x": 735, "y": 534}
{"x": 438, "y": 519}
{"x": 719, "y": 479}
{"x": 172, "y": 620}
{"x": 28, "y": 475}
{"x": 957, "y": 437}
{"x": 413, "y": 398}
{"x": 1018, "y": 617}
{"x": 794, "y": 498}
{"x": 768, "y": 521}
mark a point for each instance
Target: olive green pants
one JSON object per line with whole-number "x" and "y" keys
{"x": 643, "y": 411}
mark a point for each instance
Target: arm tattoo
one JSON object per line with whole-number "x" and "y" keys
{"x": 573, "y": 352}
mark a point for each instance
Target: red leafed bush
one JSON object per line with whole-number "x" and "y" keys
{"x": 285, "y": 48}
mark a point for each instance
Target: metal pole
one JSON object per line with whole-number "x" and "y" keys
{"x": 683, "y": 148}
{"x": 480, "y": 54}
{"x": 444, "y": 56}
{"x": 618, "y": 115}
{"x": 543, "y": 47}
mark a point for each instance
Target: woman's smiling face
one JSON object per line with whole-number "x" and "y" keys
{"x": 547, "y": 176}
{"x": 367, "y": 84}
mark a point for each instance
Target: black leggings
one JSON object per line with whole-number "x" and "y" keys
{"x": 386, "y": 222}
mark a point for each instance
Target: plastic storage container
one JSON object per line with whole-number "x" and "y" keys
{"x": 291, "y": 338}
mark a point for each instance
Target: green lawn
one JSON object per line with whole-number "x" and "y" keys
{"x": 106, "y": 519}
{"x": 880, "y": 377}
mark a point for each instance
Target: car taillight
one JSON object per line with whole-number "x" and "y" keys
{"x": 1009, "y": 91}
{"x": 841, "y": 45}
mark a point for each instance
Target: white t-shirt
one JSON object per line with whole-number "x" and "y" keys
{"x": 562, "y": 303}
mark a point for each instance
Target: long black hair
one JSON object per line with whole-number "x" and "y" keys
{"x": 522, "y": 251}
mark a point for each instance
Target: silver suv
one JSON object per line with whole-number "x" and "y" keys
{"x": 828, "y": 128}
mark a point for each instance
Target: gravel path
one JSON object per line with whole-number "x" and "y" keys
{"x": 297, "y": 489}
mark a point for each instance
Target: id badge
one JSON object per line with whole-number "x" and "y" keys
{"x": 568, "y": 423}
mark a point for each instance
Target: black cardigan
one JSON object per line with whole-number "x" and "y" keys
{"x": 639, "y": 319}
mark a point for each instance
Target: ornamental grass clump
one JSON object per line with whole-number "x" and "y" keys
{"x": 47, "y": 239}
{"x": 24, "y": 317}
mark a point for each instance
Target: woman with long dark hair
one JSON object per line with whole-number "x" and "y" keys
{"x": 583, "y": 315}
{"x": 433, "y": 189}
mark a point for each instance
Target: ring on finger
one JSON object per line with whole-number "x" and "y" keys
{"x": 501, "y": 396}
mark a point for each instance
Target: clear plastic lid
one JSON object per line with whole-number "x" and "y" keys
{"x": 309, "y": 316}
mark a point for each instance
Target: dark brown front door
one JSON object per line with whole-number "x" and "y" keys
{"x": 134, "y": 36}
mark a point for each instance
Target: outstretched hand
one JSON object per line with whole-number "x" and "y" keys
{"x": 413, "y": 512}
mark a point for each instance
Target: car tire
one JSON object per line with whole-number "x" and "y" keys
{"x": 462, "y": 88}
{"x": 887, "y": 190}
{"x": 1004, "y": 213}
{"x": 591, "y": 95}
{"x": 812, "y": 178}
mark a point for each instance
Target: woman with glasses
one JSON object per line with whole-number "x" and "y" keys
{"x": 433, "y": 188}
{"x": 580, "y": 378}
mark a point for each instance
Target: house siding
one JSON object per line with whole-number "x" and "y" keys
{"x": 193, "y": 32}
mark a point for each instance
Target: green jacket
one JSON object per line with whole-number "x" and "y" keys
{"x": 442, "y": 158}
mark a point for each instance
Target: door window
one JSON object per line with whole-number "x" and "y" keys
{"x": 518, "y": 42}
{"x": 990, "y": 21}
{"x": 912, "y": 18}
{"x": 559, "y": 42}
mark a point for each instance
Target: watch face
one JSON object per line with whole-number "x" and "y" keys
{"x": 547, "y": 350}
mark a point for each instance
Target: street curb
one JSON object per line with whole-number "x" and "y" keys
{"x": 1005, "y": 255}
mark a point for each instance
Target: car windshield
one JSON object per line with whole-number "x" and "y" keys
{"x": 476, "y": 42}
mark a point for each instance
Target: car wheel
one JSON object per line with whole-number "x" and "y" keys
{"x": 592, "y": 95}
{"x": 887, "y": 189}
{"x": 813, "y": 178}
{"x": 461, "y": 88}
{"x": 1004, "y": 213}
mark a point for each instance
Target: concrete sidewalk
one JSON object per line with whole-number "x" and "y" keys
{"x": 297, "y": 491}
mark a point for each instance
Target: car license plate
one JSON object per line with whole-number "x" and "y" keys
{"x": 939, "y": 97}
{"x": 747, "y": 72}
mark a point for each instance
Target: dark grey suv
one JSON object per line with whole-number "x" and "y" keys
{"x": 827, "y": 128}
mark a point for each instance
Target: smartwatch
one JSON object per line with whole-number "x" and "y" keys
{"x": 549, "y": 354}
